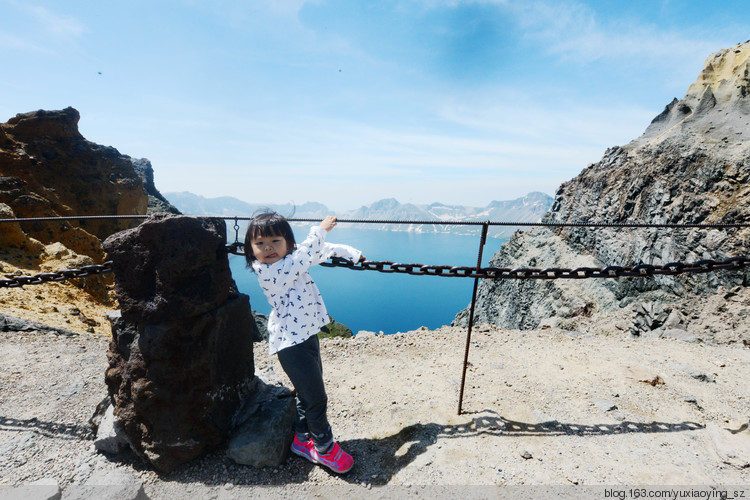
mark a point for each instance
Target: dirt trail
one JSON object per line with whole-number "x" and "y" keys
{"x": 540, "y": 408}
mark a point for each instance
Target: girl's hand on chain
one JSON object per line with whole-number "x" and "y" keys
{"x": 328, "y": 223}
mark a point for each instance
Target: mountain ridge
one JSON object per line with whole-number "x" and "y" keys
{"x": 529, "y": 208}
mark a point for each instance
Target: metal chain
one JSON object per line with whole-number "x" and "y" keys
{"x": 640, "y": 270}
{"x": 38, "y": 279}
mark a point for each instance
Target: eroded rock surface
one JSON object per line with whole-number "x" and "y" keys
{"x": 691, "y": 165}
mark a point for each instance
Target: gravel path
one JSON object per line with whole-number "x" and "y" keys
{"x": 540, "y": 408}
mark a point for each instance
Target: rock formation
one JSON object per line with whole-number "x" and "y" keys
{"x": 48, "y": 169}
{"x": 181, "y": 358}
{"x": 691, "y": 165}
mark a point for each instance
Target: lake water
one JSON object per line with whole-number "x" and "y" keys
{"x": 369, "y": 300}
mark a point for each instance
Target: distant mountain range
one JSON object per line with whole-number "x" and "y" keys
{"x": 529, "y": 208}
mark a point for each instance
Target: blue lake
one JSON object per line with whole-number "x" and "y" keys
{"x": 369, "y": 300}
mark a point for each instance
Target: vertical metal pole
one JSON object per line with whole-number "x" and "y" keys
{"x": 485, "y": 226}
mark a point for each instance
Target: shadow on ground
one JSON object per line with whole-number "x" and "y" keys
{"x": 46, "y": 428}
{"x": 391, "y": 454}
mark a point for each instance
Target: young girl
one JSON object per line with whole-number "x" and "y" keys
{"x": 297, "y": 316}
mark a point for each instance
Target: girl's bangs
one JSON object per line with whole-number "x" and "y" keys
{"x": 265, "y": 231}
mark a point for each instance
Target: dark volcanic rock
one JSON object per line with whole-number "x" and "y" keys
{"x": 156, "y": 202}
{"x": 181, "y": 357}
{"x": 170, "y": 267}
{"x": 13, "y": 324}
{"x": 177, "y": 385}
{"x": 30, "y": 127}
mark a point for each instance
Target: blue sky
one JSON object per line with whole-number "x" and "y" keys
{"x": 346, "y": 102}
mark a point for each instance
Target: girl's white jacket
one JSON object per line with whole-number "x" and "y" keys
{"x": 298, "y": 310}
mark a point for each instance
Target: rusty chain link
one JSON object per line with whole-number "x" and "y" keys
{"x": 38, "y": 279}
{"x": 640, "y": 270}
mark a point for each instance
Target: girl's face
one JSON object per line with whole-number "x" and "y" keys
{"x": 269, "y": 249}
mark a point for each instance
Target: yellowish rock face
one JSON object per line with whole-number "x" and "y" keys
{"x": 725, "y": 72}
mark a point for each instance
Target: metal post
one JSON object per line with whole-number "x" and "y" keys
{"x": 485, "y": 227}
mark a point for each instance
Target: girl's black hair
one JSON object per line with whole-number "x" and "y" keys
{"x": 264, "y": 225}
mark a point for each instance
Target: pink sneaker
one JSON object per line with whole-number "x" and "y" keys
{"x": 336, "y": 459}
{"x": 305, "y": 450}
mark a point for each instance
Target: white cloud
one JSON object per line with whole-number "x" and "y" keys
{"x": 573, "y": 31}
{"x": 37, "y": 29}
{"x": 17, "y": 43}
{"x": 57, "y": 25}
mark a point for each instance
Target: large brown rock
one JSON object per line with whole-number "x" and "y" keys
{"x": 170, "y": 267}
{"x": 11, "y": 234}
{"x": 181, "y": 357}
{"x": 57, "y": 172}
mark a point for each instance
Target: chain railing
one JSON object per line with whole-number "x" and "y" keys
{"x": 519, "y": 273}
{"x": 477, "y": 272}
{"x": 65, "y": 274}
{"x": 641, "y": 270}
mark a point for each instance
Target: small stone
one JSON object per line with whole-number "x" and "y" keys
{"x": 642, "y": 375}
{"x": 692, "y": 400}
{"x": 604, "y": 404}
{"x": 526, "y": 455}
{"x": 695, "y": 373}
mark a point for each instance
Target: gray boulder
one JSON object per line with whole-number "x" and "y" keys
{"x": 265, "y": 432}
{"x": 110, "y": 484}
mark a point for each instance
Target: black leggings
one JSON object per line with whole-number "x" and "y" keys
{"x": 304, "y": 368}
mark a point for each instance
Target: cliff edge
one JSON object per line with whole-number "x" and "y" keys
{"x": 691, "y": 165}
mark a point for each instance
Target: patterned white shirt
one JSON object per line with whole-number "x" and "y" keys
{"x": 298, "y": 311}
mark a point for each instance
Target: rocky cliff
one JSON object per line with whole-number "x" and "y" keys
{"x": 48, "y": 169}
{"x": 691, "y": 165}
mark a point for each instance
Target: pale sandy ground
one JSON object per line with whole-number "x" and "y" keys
{"x": 545, "y": 408}
{"x": 540, "y": 408}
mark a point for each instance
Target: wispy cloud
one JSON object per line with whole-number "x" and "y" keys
{"x": 13, "y": 42}
{"x": 37, "y": 29}
{"x": 57, "y": 25}
{"x": 574, "y": 32}
{"x": 531, "y": 122}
